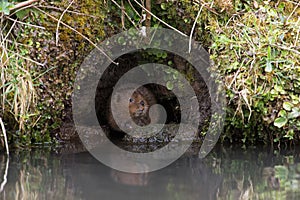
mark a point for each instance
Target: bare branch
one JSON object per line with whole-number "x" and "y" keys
{"x": 134, "y": 8}
{"x": 148, "y": 16}
{"x": 25, "y": 58}
{"x": 32, "y": 25}
{"x": 9, "y": 31}
{"x": 171, "y": 27}
{"x": 23, "y": 4}
{"x": 57, "y": 27}
{"x": 125, "y": 13}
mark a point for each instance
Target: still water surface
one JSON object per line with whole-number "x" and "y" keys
{"x": 226, "y": 173}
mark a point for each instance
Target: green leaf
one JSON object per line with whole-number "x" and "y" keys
{"x": 163, "y": 6}
{"x": 5, "y": 6}
{"x": 268, "y": 67}
{"x": 279, "y": 89}
{"x": 281, "y": 7}
{"x": 295, "y": 113}
{"x": 281, "y": 171}
{"x": 22, "y": 13}
{"x": 122, "y": 41}
{"x": 175, "y": 75}
{"x": 290, "y": 134}
{"x": 224, "y": 39}
{"x": 287, "y": 106}
{"x": 164, "y": 55}
{"x": 269, "y": 53}
{"x": 280, "y": 122}
{"x": 282, "y": 113}
{"x": 170, "y": 85}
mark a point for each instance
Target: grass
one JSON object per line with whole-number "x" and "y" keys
{"x": 18, "y": 94}
{"x": 257, "y": 52}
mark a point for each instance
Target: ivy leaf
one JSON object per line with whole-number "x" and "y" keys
{"x": 121, "y": 40}
{"x": 170, "y": 85}
{"x": 287, "y": 106}
{"x": 282, "y": 113}
{"x": 279, "y": 89}
{"x": 281, "y": 171}
{"x": 5, "y": 6}
{"x": 295, "y": 113}
{"x": 290, "y": 134}
{"x": 280, "y": 122}
{"x": 164, "y": 55}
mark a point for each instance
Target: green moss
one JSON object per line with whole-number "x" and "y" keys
{"x": 53, "y": 81}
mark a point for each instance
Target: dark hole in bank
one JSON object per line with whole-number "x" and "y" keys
{"x": 163, "y": 96}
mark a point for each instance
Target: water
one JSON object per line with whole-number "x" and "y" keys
{"x": 226, "y": 173}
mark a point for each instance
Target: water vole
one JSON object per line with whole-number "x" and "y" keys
{"x": 137, "y": 106}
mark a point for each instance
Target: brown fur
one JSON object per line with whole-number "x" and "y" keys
{"x": 138, "y": 107}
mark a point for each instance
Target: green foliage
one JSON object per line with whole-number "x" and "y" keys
{"x": 254, "y": 45}
{"x": 5, "y": 7}
{"x": 37, "y": 77}
{"x": 256, "y": 52}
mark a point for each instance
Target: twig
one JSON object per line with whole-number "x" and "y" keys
{"x": 286, "y": 48}
{"x": 5, "y": 137}
{"x": 293, "y": 11}
{"x": 9, "y": 31}
{"x": 31, "y": 25}
{"x": 153, "y": 35}
{"x": 291, "y": 2}
{"x": 205, "y": 6}
{"x": 122, "y": 15}
{"x": 120, "y": 7}
{"x": 86, "y": 38}
{"x": 193, "y": 28}
{"x": 298, "y": 31}
{"x": 134, "y": 8}
{"x": 46, "y": 71}
{"x": 23, "y": 4}
{"x": 148, "y": 16}
{"x": 59, "y": 20}
{"x": 22, "y": 8}
{"x": 17, "y": 43}
{"x": 25, "y": 58}
{"x": 171, "y": 27}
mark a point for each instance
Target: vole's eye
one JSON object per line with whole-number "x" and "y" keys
{"x": 142, "y": 103}
{"x": 130, "y": 100}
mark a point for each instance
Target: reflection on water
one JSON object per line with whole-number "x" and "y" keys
{"x": 226, "y": 173}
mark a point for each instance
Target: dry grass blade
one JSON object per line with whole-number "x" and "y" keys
{"x": 168, "y": 25}
{"x": 193, "y": 28}
{"x": 5, "y": 137}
